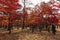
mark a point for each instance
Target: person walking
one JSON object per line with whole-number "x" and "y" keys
{"x": 53, "y": 29}
{"x": 9, "y": 28}
{"x": 40, "y": 27}
{"x": 48, "y": 29}
{"x": 33, "y": 27}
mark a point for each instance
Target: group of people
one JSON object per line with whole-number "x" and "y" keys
{"x": 40, "y": 27}
{"x": 51, "y": 27}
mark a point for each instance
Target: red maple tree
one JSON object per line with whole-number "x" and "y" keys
{"x": 9, "y": 7}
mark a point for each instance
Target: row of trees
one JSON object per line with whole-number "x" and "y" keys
{"x": 43, "y": 13}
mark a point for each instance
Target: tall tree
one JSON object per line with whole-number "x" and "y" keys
{"x": 9, "y": 7}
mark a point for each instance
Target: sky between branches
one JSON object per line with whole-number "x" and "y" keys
{"x": 32, "y": 3}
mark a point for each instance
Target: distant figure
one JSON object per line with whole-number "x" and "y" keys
{"x": 23, "y": 26}
{"x": 9, "y": 28}
{"x": 33, "y": 27}
{"x": 48, "y": 28}
{"x": 41, "y": 27}
{"x": 53, "y": 29}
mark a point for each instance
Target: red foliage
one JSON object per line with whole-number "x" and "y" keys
{"x": 11, "y": 5}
